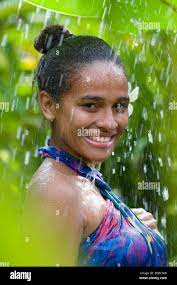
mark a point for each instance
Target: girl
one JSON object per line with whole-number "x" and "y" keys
{"x": 83, "y": 92}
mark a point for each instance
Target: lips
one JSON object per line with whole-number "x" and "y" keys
{"x": 100, "y": 142}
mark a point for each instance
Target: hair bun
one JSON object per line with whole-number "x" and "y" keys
{"x": 50, "y": 37}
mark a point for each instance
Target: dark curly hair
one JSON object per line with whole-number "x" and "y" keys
{"x": 64, "y": 54}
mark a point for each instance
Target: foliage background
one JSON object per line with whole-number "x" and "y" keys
{"x": 146, "y": 152}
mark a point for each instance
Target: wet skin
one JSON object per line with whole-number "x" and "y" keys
{"x": 97, "y": 100}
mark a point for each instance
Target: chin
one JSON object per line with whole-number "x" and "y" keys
{"x": 97, "y": 158}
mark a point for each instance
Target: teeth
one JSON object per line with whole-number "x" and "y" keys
{"x": 100, "y": 139}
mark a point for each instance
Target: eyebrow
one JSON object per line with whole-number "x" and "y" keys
{"x": 98, "y": 98}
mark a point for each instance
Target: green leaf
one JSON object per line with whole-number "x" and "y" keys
{"x": 71, "y": 7}
{"x": 123, "y": 16}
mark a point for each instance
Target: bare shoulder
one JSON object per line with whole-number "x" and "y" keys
{"x": 53, "y": 204}
{"x": 57, "y": 188}
{"x": 52, "y": 178}
{"x": 53, "y": 187}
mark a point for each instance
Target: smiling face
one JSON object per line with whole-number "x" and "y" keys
{"x": 92, "y": 114}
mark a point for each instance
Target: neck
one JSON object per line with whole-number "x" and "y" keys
{"x": 58, "y": 142}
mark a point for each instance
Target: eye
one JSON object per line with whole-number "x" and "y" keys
{"x": 121, "y": 107}
{"x": 90, "y": 106}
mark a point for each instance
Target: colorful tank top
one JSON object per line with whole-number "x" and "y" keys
{"x": 121, "y": 239}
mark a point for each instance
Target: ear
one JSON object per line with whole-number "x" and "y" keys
{"x": 47, "y": 105}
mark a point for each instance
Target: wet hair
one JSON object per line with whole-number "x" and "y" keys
{"x": 64, "y": 54}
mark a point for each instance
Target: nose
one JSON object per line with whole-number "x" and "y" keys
{"x": 107, "y": 121}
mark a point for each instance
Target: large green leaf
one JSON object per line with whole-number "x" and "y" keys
{"x": 72, "y": 7}
{"x": 124, "y": 16}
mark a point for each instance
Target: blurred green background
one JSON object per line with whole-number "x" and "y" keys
{"x": 147, "y": 151}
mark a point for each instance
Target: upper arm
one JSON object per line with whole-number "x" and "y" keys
{"x": 53, "y": 213}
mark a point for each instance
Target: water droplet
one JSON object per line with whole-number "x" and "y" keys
{"x": 101, "y": 28}
{"x": 88, "y": 239}
{"x": 19, "y": 24}
{"x": 150, "y": 137}
{"x": 160, "y": 137}
{"x": 19, "y": 130}
{"x": 169, "y": 161}
{"x": 158, "y": 176}
{"x": 145, "y": 114}
{"x": 47, "y": 17}
{"x": 27, "y": 157}
{"x": 26, "y": 30}
{"x": 27, "y": 103}
{"x": 4, "y": 40}
{"x": 163, "y": 221}
{"x": 161, "y": 114}
{"x": 78, "y": 20}
{"x": 160, "y": 161}
{"x": 118, "y": 159}
{"x": 165, "y": 193}
{"x": 145, "y": 204}
{"x": 19, "y": 6}
{"x": 145, "y": 168}
{"x": 36, "y": 152}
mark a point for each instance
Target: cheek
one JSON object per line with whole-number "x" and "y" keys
{"x": 126, "y": 121}
{"x": 72, "y": 121}
{"x": 123, "y": 121}
{"x": 81, "y": 118}
{"x": 66, "y": 117}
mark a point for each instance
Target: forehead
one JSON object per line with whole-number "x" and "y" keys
{"x": 100, "y": 77}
